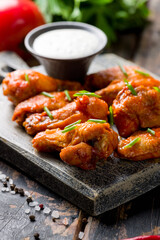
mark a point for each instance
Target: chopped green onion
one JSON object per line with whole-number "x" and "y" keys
{"x": 96, "y": 120}
{"x": 67, "y": 95}
{"x": 111, "y": 115}
{"x": 142, "y": 73}
{"x": 47, "y": 94}
{"x": 26, "y": 77}
{"x": 68, "y": 129}
{"x": 123, "y": 70}
{"x": 151, "y": 131}
{"x": 130, "y": 87}
{"x": 84, "y": 92}
{"x": 133, "y": 142}
{"x": 157, "y": 89}
{"x": 48, "y": 113}
{"x": 72, "y": 124}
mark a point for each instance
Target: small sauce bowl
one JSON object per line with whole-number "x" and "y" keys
{"x": 71, "y": 68}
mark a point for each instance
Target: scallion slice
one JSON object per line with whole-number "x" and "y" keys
{"x": 111, "y": 115}
{"x": 46, "y": 94}
{"x": 142, "y": 73}
{"x": 157, "y": 89}
{"x": 26, "y": 77}
{"x": 130, "y": 87}
{"x": 123, "y": 70}
{"x": 151, "y": 131}
{"x": 133, "y": 142}
{"x": 48, "y": 113}
{"x": 68, "y": 129}
{"x": 72, "y": 124}
{"x": 96, "y": 120}
{"x": 84, "y": 92}
{"x": 67, "y": 95}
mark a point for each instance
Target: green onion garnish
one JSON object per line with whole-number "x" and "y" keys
{"x": 96, "y": 120}
{"x": 142, "y": 73}
{"x": 157, "y": 89}
{"x": 48, "y": 113}
{"x": 68, "y": 129}
{"x": 72, "y": 124}
{"x": 133, "y": 142}
{"x": 123, "y": 70}
{"x": 26, "y": 77}
{"x": 84, "y": 92}
{"x": 47, "y": 94}
{"x": 67, "y": 95}
{"x": 150, "y": 131}
{"x": 111, "y": 115}
{"x": 130, "y": 87}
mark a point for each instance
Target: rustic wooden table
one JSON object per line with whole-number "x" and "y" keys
{"x": 137, "y": 217}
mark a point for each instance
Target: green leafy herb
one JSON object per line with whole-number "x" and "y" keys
{"x": 133, "y": 142}
{"x": 96, "y": 120}
{"x": 84, "y": 92}
{"x": 67, "y": 95}
{"x": 157, "y": 89}
{"x": 26, "y": 77}
{"x": 48, "y": 113}
{"x": 72, "y": 124}
{"x": 151, "y": 131}
{"x": 123, "y": 70}
{"x": 47, "y": 94}
{"x": 142, "y": 73}
{"x": 130, "y": 87}
{"x": 111, "y": 115}
{"x": 68, "y": 129}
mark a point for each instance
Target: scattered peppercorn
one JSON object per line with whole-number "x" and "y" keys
{"x": 5, "y": 184}
{"x": 32, "y": 218}
{"x": 12, "y": 187}
{"x": 84, "y": 220}
{"x": 16, "y": 190}
{"x": 41, "y": 206}
{"x": 53, "y": 219}
{"x": 36, "y": 236}
{"x": 7, "y": 179}
{"x": 29, "y": 199}
{"x": 21, "y": 192}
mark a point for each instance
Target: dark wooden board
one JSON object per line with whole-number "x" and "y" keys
{"x": 112, "y": 182}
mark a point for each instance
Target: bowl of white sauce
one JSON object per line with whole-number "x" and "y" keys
{"x": 66, "y": 49}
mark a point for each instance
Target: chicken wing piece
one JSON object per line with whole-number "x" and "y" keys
{"x": 23, "y": 84}
{"x": 36, "y": 105}
{"x": 109, "y": 93}
{"x": 133, "y": 112}
{"x": 82, "y": 108}
{"x": 82, "y": 146}
{"x": 147, "y": 147}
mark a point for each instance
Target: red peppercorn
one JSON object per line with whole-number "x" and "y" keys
{"x": 41, "y": 206}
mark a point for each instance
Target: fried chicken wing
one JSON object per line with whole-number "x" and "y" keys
{"x": 133, "y": 112}
{"x": 82, "y": 108}
{"x": 146, "y": 148}
{"x": 82, "y": 146}
{"x": 36, "y": 105}
{"x": 18, "y": 89}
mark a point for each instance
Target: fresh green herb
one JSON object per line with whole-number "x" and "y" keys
{"x": 142, "y": 73}
{"x": 48, "y": 113}
{"x": 151, "y": 131}
{"x": 47, "y": 94}
{"x": 26, "y": 77}
{"x": 157, "y": 89}
{"x": 68, "y": 129}
{"x": 130, "y": 87}
{"x": 133, "y": 142}
{"x": 111, "y": 115}
{"x": 72, "y": 124}
{"x": 67, "y": 95}
{"x": 123, "y": 70}
{"x": 84, "y": 92}
{"x": 96, "y": 120}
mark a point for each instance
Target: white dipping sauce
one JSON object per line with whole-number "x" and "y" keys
{"x": 65, "y": 43}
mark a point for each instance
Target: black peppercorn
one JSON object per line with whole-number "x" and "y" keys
{"x": 53, "y": 219}
{"x": 32, "y": 218}
{"x": 12, "y": 187}
{"x": 29, "y": 199}
{"x": 5, "y": 184}
{"x": 16, "y": 190}
{"x": 21, "y": 192}
{"x": 36, "y": 236}
{"x": 7, "y": 179}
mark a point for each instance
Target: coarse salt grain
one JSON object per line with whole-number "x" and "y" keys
{"x": 3, "y": 189}
{"x": 37, "y": 208}
{"x": 81, "y": 235}
{"x": 46, "y": 210}
{"x": 33, "y": 204}
{"x": 13, "y": 192}
{"x": 2, "y": 176}
{"x": 27, "y": 211}
{"x": 7, "y": 189}
{"x": 10, "y": 181}
{"x": 55, "y": 214}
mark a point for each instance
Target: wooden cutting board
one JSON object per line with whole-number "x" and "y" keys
{"x": 112, "y": 182}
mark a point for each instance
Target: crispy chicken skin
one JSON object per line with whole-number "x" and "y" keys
{"x": 36, "y": 105}
{"x": 82, "y": 146}
{"x": 146, "y": 148}
{"x": 133, "y": 112}
{"x": 82, "y": 108}
{"x": 18, "y": 89}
